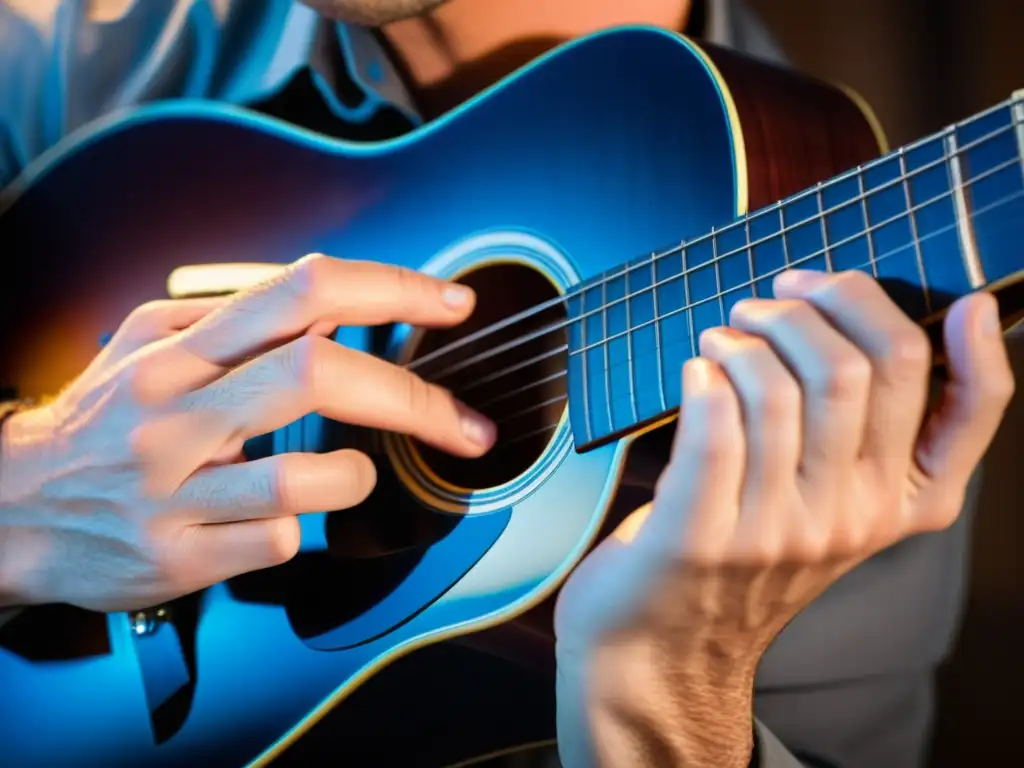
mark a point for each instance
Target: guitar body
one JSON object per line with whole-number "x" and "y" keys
{"x": 550, "y": 178}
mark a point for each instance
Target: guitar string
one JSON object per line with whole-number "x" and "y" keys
{"x": 690, "y": 269}
{"x": 866, "y": 232}
{"x": 744, "y": 221}
{"x": 908, "y": 214}
{"x": 559, "y": 398}
{"x": 689, "y": 307}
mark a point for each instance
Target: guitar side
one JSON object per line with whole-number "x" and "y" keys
{"x": 625, "y": 137}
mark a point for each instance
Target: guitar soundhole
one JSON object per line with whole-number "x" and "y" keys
{"x": 516, "y": 374}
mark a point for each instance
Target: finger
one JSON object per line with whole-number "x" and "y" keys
{"x": 152, "y": 322}
{"x": 696, "y": 506}
{"x": 321, "y": 290}
{"x": 316, "y": 375}
{"x": 282, "y": 485}
{"x": 973, "y": 402}
{"x": 770, "y": 401}
{"x": 898, "y": 350}
{"x": 834, "y": 377}
{"x": 221, "y": 552}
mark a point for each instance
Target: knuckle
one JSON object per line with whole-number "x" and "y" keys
{"x": 777, "y": 400}
{"x": 908, "y": 352}
{"x": 303, "y": 360}
{"x": 305, "y": 278}
{"x": 145, "y": 377}
{"x": 767, "y": 549}
{"x": 849, "y": 285}
{"x": 163, "y": 552}
{"x": 847, "y": 377}
{"x": 144, "y": 442}
{"x": 147, "y": 318}
{"x": 944, "y": 512}
{"x": 810, "y": 545}
{"x": 417, "y": 395}
{"x": 276, "y": 485}
{"x": 411, "y": 286}
{"x": 847, "y": 541}
{"x": 999, "y": 386}
{"x": 794, "y": 312}
{"x": 769, "y": 390}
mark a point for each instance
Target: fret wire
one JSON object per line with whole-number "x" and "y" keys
{"x": 965, "y": 231}
{"x": 684, "y": 258}
{"x": 824, "y": 229}
{"x": 629, "y": 352}
{"x": 873, "y": 163}
{"x": 586, "y": 379}
{"x": 750, "y": 259}
{"x": 944, "y": 161}
{"x": 839, "y": 243}
{"x": 657, "y": 331}
{"x": 1006, "y": 199}
{"x": 863, "y": 195}
{"x": 718, "y": 277}
{"x": 1017, "y": 119}
{"x": 912, "y": 220}
{"x": 782, "y": 236}
{"x": 874, "y": 227}
{"x": 607, "y": 353}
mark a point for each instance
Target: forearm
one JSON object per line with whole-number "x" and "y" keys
{"x": 648, "y": 732}
{"x": 628, "y": 709}
{"x": 9, "y": 593}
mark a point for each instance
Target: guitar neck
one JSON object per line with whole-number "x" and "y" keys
{"x": 932, "y": 221}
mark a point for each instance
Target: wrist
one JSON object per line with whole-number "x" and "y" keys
{"x": 13, "y": 590}
{"x": 13, "y": 553}
{"x": 670, "y": 707}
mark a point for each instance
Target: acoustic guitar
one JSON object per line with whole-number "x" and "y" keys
{"x": 608, "y": 202}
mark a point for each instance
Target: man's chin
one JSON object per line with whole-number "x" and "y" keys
{"x": 372, "y": 13}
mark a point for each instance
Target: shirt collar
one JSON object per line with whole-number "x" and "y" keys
{"x": 368, "y": 66}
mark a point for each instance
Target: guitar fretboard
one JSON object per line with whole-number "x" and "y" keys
{"x": 932, "y": 221}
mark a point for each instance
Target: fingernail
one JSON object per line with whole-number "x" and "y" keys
{"x": 456, "y": 296}
{"x": 798, "y": 279}
{"x": 477, "y": 428}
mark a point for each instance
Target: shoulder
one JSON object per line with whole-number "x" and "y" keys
{"x": 75, "y": 61}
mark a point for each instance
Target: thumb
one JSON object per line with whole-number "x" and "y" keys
{"x": 957, "y": 435}
{"x": 601, "y": 593}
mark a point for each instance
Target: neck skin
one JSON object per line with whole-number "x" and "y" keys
{"x": 465, "y": 46}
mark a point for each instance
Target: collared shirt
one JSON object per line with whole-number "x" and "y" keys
{"x": 62, "y": 65}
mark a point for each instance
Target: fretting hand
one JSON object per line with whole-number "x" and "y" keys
{"x": 800, "y": 453}
{"x": 129, "y": 489}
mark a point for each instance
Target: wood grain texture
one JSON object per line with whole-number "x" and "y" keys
{"x": 798, "y": 131}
